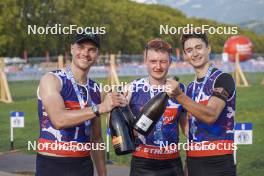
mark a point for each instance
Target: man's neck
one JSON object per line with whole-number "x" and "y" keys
{"x": 202, "y": 71}
{"x": 80, "y": 75}
{"x": 156, "y": 82}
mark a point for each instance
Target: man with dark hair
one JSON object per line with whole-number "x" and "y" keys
{"x": 210, "y": 102}
{"x": 151, "y": 158}
{"x": 69, "y": 107}
{"x": 199, "y": 35}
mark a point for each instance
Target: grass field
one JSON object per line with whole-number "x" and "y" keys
{"x": 250, "y": 108}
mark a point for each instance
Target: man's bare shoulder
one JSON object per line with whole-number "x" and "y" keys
{"x": 50, "y": 82}
{"x": 49, "y": 78}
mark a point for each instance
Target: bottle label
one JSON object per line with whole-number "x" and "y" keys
{"x": 144, "y": 123}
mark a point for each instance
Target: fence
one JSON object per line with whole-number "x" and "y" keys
{"x": 133, "y": 69}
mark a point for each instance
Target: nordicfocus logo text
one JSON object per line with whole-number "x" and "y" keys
{"x": 190, "y": 28}
{"x": 59, "y": 29}
{"x": 65, "y": 146}
{"x": 201, "y": 146}
{"x": 124, "y": 87}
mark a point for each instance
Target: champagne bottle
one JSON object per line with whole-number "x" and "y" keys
{"x": 129, "y": 116}
{"x": 126, "y": 111}
{"x": 151, "y": 112}
{"x": 122, "y": 134}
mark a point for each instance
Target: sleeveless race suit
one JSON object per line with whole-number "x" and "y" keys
{"x": 149, "y": 158}
{"x": 218, "y": 138}
{"x": 72, "y": 143}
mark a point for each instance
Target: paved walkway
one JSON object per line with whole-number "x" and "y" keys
{"x": 16, "y": 164}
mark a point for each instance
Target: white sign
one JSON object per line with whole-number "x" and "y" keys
{"x": 17, "y": 119}
{"x": 243, "y": 133}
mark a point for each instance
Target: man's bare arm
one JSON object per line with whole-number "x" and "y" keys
{"x": 206, "y": 113}
{"x": 49, "y": 91}
{"x": 99, "y": 154}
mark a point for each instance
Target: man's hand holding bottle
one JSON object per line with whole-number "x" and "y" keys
{"x": 172, "y": 87}
{"x": 112, "y": 100}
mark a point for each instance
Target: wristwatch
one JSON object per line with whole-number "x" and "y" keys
{"x": 95, "y": 110}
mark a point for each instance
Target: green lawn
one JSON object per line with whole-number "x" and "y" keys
{"x": 250, "y": 108}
